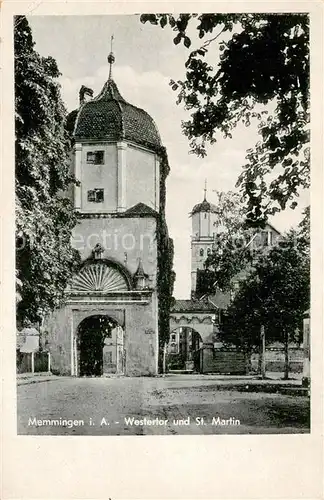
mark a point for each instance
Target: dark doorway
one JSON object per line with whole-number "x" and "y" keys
{"x": 92, "y": 333}
{"x": 184, "y": 349}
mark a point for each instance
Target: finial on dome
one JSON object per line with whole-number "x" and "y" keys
{"x": 111, "y": 57}
{"x": 205, "y": 190}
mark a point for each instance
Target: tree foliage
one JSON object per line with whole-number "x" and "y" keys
{"x": 275, "y": 295}
{"x": 230, "y": 253}
{"x": 165, "y": 272}
{"x": 262, "y": 74}
{"x": 44, "y": 217}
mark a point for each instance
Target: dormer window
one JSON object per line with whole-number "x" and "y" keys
{"x": 96, "y": 157}
{"x": 96, "y": 195}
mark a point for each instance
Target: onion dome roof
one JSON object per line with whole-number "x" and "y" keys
{"x": 109, "y": 117}
{"x": 204, "y": 206}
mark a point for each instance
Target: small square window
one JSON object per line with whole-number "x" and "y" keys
{"x": 96, "y": 195}
{"x": 95, "y": 157}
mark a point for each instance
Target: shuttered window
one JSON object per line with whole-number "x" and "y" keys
{"x": 96, "y": 157}
{"x": 96, "y": 195}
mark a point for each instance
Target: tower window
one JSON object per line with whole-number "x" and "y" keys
{"x": 266, "y": 238}
{"x": 96, "y": 195}
{"x": 95, "y": 157}
{"x": 201, "y": 252}
{"x": 208, "y": 251}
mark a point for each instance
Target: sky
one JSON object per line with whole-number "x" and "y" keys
{"x": 146, "y": 60}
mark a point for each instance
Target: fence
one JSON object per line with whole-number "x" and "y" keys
{"x": 33, "y": 362}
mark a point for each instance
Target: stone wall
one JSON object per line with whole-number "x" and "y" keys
{"x": 229, "y": 362}
{"x": 124, "y": 240}
{"x": 142, "y": 178}
{"x": 58, "y": 328}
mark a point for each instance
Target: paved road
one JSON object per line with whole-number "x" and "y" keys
{"x": 172, "y": 405}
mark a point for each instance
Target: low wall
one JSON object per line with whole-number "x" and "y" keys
{"x": 275, "y": 360}
{"x": 24, "y": 362}
{"x": 232, "y": 362}
{"x": 227, "y": 362}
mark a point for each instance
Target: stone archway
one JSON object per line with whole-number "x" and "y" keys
{"x": 100, "y": 346}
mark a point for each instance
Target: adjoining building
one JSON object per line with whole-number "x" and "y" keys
{"x": 112, "y": 315}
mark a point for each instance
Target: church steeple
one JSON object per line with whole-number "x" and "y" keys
{"x": 205, "y": 190}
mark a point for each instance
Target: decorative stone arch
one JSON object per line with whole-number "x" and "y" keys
{"x": 201, "y": 323}
{"x": 117, "y": 315}
{"x": 114, "y": 342}
{"x": 103, "y": 275}
{"x": 176, "y": 327}
{"x": 194, "y": 330}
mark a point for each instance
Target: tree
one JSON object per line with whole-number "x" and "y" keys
{"x": 45, "y": 259}
{"x": 262, "y": 75}
{"x": 230, "y": 253}
{"x": 165, "y": 272}
{"x": 275, "y": 295}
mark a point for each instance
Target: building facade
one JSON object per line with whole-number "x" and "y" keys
{"x": 110, "y": 320}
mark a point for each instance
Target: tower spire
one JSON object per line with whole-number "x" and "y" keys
{"x": 111, "y": 57}
{"x": 205, "y": 190}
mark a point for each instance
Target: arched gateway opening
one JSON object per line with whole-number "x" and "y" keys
{"x": 184, "y": 349}
{"x": 100, "y": 346}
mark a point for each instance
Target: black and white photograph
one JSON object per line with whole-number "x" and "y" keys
{"x": 162, "y": 208}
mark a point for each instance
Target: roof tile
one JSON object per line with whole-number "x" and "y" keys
{"x": 109, "y": 117}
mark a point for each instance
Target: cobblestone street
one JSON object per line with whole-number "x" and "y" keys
{"x": 146, "y": 406}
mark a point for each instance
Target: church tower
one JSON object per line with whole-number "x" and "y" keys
{"x": 204, "y": 218}
{"x": 110, "y": 320}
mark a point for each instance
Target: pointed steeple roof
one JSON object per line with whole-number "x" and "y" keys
{"x": 140, "y": 270}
